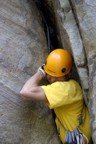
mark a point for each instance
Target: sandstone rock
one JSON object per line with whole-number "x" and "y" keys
{"x": 86, "y": 12}
{"x": 22, "y": 42}
{"x": 23, "y": 49}
{"x": 84, "y": 77}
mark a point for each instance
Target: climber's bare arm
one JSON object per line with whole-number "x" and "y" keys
{"x": 32, "y": 90}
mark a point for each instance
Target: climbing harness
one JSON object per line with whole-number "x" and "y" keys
{"x": 75, "y": 136}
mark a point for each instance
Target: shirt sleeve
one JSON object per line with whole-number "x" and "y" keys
{"x": 62, "y": 93}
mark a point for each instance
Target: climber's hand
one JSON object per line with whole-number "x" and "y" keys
{"x": 41, "y": 68}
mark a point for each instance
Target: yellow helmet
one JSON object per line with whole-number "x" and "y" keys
{"x": 59, "y": 63}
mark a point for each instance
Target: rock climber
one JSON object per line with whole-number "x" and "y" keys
{"x": 62, "y": 94}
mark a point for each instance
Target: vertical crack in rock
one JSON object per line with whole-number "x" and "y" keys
{"x": 52, "y": 42}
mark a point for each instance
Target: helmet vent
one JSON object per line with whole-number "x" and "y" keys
{"x": 63, "y": 70}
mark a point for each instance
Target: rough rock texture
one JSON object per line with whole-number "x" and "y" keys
{"x": 86, "y": 14}
{"x": 22, "y": 50}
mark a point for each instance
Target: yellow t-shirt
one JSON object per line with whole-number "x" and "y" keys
{"x": 67, "y": 101}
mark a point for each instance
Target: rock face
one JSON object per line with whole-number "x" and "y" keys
{"x": 23, "y": 49}
{"x": 22, "y": 41}
{"x": 86, "y": 13}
